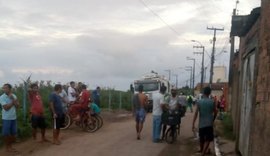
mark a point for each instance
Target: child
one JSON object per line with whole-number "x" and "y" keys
{"x": 94, "y": 108}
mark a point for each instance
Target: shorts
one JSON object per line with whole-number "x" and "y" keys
{"x": 38, "y": 122}
{"x": 9, "y": 127}
{"x": 59, "y": 121}
{"x": 206, "y": 134}
{"x": 140, "y": 115}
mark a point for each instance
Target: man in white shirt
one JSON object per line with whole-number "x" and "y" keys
{"x": 158, "y": 102}
{"x": 72, "y": 93}
{"x": 65, "y": 99}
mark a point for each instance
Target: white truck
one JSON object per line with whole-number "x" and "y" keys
{"x": 151, "y": 85}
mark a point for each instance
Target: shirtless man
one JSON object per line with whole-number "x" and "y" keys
{"x": 139, "y": 104}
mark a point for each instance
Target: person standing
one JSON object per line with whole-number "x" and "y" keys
{"x": 9, "y": 104}
{"x": 37, "y": 112}
{"x": 72, "y": 94}
{"x": 64, "y": 98}
{"x": 139, "y": 105}
{"x": 207, "y": 113}
{"x": 57, "y": 112}
{"x": 158, "y": 102}
{"x": 183, "y": 103}
{"x": 96, "y": 96}
{"x": 189, "y": 103}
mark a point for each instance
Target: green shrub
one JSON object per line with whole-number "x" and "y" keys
{"x": 227, "y": 125}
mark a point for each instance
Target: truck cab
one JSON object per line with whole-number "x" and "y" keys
{"x": 151, "y": 85}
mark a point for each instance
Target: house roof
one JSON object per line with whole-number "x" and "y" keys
{"x": 214, "y": 86}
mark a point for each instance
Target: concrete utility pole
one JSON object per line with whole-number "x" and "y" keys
{"x": 213, "y": 53}
{"x": 193, "y": 75}
{"x": 189, "y": 68}
{"x": 232, "y": 41}
{"x": 176, "y": 80}
{"x": 202, "y": 70}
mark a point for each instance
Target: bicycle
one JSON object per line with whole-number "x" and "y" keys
{"x": 173, "y": 119}
{"x": 98, "y": 118}
{"x": 86, "y": 123}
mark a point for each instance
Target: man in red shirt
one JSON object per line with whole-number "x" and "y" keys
{"x": 37, "y": 112}
{"x": 83, "y": 103}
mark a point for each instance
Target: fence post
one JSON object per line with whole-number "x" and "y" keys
{"x": 110, "y": 98}
{"x": 25, "y": 86}
{"x": 120, "y": 99}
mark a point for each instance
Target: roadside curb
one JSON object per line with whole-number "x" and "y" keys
{"x": 216, "y": 146}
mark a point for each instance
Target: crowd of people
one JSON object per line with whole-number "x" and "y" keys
{"x": 77, "y": 98}
{"x": 206, "y": 109}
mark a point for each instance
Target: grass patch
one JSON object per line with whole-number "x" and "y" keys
{"x": 227, "y": 127}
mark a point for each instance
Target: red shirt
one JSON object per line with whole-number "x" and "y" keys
{"x": 84, "y": 98}
{"x": 36, "y": 104}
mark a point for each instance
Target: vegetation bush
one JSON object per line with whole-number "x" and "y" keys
{"x": 227, "y": 125}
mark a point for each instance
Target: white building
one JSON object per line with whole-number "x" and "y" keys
{"x": 220, "y": 74}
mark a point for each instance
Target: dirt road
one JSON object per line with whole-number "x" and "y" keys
{"x": 116, "y": 138}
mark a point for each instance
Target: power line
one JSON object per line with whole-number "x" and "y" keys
{"x": 154, "y": 13}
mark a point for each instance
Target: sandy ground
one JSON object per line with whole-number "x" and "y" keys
{"x": 116, "y": 138}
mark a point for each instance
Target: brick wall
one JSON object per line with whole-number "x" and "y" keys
{"x": 261, "y": 121}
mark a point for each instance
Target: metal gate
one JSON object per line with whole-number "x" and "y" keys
{"x": 247, "y": 94}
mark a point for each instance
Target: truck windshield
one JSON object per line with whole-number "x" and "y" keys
{"x": 147, "y": 86}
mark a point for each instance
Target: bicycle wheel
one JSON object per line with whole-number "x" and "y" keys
{"x": 100, "y": 121}
{"x": 67, "y": 123}
{"x": 170, "y": 136}
{"x": 91, "y": 126}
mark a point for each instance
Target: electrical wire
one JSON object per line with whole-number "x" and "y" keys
{"x": 162, "y": 20}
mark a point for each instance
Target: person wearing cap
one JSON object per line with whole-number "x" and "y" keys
{"x": 139, "y": 104}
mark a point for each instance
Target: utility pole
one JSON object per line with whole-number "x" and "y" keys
{"x": 193, "y": 77}
{"x": 176, "y": 80}
{"x": 232, "y": 41}
{"x": 204, "y": 78}
{"x": 202, "y": 70}
{"x": 189, "y": 68}
{"x": 213, "y": 53}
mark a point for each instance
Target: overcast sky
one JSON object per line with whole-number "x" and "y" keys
{"x": 109, "y": 42}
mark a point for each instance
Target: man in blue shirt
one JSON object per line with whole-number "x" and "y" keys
{"x": 9, "y": 103}
{"x": 57, "y": 112}
{"x": 207, "y": 113}
{"x": 96, "y": 96}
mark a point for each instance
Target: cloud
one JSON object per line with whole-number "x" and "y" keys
{"x": 45, "y": 71}
{"x": 109, "y": 42}
{"x": 2, "y": 74}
